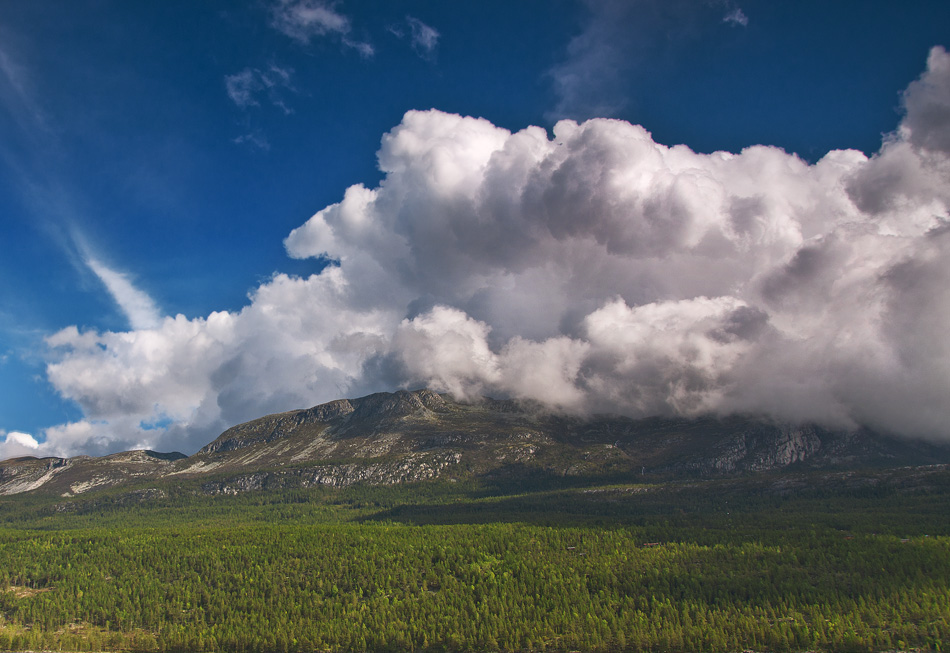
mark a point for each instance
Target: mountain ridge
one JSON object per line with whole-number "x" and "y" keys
{"x": 410, "y": 436}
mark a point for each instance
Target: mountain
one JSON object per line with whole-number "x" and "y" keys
{"x": 388, "y": 438}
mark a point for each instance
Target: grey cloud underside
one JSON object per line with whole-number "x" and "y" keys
{"x": 593, "y": 271}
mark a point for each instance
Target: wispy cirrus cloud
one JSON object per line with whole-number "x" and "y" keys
{"x": 137, "y": 306}
{"x": 252, "y": 86}
{"x": 247, "y": 87}
{"x": 597, "y": 58}
{"x": 423, "y": 38}
{"x": 17, "y": 96}
{"x": 253, "y": 139}
{"x": 736, "y": 16}
{"x": 140, "y": 309}
{"x": 618, "y": 40}
{"x": 304, "y": 20}
{"x": 51, "y": 203}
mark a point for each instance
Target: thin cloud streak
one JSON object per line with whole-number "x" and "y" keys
{"x": 18, "y": 98}
{"x": 135, "y": 304}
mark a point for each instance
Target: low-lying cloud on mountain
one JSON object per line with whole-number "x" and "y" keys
{"x": 593, "y": 269}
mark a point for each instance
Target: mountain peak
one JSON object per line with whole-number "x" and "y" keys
{"x": 402, "y": 403}
{"x": 379, "y": 406}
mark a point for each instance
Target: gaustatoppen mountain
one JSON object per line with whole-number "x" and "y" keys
{"x": 390, "y": 438}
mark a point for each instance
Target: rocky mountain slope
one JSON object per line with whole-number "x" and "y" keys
{"x": 407, "y": 436}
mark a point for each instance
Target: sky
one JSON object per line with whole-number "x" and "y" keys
{"x": 214, "y": 211}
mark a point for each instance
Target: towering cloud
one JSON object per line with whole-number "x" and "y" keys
{"x": 595, "y": 271}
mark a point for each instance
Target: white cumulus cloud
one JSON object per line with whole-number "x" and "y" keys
{"x": 597, "y": 270}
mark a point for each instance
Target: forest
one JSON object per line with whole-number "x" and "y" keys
{"x": 797, "y": 563}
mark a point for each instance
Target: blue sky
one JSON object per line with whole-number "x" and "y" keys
{"x": 157, "y": 157}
